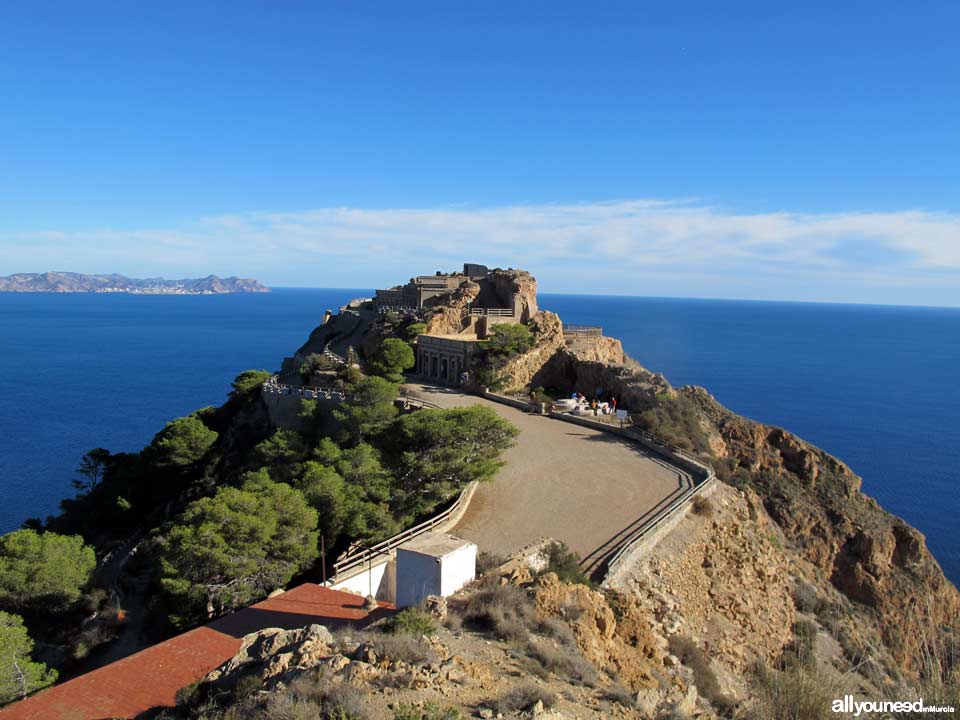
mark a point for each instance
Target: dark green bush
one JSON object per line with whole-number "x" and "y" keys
{"x": 412, "y": 621}
{"x": 566, "y": 564}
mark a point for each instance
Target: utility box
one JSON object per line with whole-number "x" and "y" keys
{"x": 433, "y": 564}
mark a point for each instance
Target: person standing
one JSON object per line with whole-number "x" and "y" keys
{"x": 613, "y": 405}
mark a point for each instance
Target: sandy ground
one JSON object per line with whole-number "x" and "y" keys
{"x": 585, "y": 487}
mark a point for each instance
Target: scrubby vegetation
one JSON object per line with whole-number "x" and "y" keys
{"x": 412, "y": 621}
{"x": 673, "y": 418}
{"x": 504, "y": 610}
{"x": 427, "y": 711}
{"x": 794, "y": 688}
{"x": 524, "y": 698}
{"x": 506, "y": 341}
{"x": 313, "y": 364}
{"x": 693, "y": 656}
{"x": 316, "y": 698}
{"x": 231, "y": 508}
{"x": 563, "y": 660}
{"x": 19, "y": 674}
{"x": 702, "y": 506}
{"x": 565, "y": 563}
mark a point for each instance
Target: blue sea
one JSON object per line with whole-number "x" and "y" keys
{"x": 876, "y": 386}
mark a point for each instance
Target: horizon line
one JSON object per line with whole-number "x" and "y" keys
{"x": 854, "y": 303}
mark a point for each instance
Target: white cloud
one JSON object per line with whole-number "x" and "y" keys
{"x": 641, "y": 246}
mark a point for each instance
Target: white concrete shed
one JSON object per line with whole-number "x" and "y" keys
{"x": 433, "y": 564}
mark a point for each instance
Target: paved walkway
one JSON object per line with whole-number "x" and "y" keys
{"x": 585, "y": 487}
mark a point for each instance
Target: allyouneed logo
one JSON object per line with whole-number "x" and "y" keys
{"x": 856, "y": 708}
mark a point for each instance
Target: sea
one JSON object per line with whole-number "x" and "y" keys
{"x": 876, "y": 386}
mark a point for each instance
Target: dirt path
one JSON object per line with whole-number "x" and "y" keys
{"x": 585, "y": 487}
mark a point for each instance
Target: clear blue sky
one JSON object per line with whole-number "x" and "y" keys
{"x": 742, "y": 149}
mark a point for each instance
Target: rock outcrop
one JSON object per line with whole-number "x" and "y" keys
{"x": 448, "y": 314}
{"x": 809, "y": 502}
{"x": 871, "y": 556}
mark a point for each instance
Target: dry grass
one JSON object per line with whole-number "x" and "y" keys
{"x": 524, "y": 698}
{"x": 705, "y": 679}
{"x": 505, "y": 610}
{"x": 563, "y": 661}
{"x": 702, "y": 506}
{"x": 400, "y": 648}
{"x": 795, "y": 692}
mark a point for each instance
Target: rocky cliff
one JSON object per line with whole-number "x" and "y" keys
{"x": 800, "y": 544}
{"x": 448, "y": 314}
{"x": 875, "y": 560}
{"x": 871, "y": 556}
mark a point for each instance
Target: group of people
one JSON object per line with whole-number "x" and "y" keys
{"x": 596, "y": 405}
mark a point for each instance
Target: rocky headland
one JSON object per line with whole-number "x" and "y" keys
{"x": 789, "y": 557}
{"x": 68, "y": 282}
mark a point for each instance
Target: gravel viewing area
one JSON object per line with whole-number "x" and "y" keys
{"x": 585, "y": 487}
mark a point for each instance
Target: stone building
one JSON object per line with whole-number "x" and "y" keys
{"x": 423, "y": 287}
{"x": 445, "y": 358}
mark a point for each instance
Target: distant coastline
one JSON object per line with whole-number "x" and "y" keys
{"x": 68, "y": 282}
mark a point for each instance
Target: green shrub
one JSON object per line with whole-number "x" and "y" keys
{"x": 314, "y": 363}
{"x": 248, "y": 381}
{"x": 392, "y": 357}
{"x": 566, "y": 564}
{"x": 507, "y": 340}
{"x": 412, "y": 621}
{"x": 414, "y": 330}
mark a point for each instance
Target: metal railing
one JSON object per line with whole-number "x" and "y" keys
{"x": 678, "y": 504}
{"x": 583, "y": 330}
{"x": 332, "y": 356}
{"x": 272, "y": 386}
{"x": 653, "y": 524}
{"x": 398, "y": 309}
{"x": 491, "y": 312}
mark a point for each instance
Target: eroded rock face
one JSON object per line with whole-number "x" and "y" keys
{"x": 520, "y": 371}
{"x": 627, "y": 643}
{"x": 512, "y": 288}
{"x": 448, "y": 314}
{"x": 871, "y": 556}
{"x": 277, "y": 648}
{"x": 729, "y": 588}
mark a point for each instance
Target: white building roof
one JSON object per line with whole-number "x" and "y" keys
{"x": 435, "y": 544}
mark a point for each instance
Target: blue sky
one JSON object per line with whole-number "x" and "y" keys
{"x": 804, "y": 151}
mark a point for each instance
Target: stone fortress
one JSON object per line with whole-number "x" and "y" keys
{"x": 445, "y": 352}
{"x": 458, "y": 311}
{"x": 481, "y": 298}
{"x": 415, "y": 294}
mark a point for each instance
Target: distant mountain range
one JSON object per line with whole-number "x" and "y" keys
{"x": 68, "y": 282}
